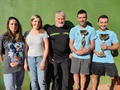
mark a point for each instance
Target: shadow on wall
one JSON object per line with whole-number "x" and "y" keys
{"x": 69, "y": 24}
{"x": 46, "y": 26}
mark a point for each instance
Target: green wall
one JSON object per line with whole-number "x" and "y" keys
{"x": 24, "y": 9}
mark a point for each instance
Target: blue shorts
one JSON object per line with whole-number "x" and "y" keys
{"x": 101, "y": 68}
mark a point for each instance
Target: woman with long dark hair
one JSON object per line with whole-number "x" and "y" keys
{"x": 12, "y": 48}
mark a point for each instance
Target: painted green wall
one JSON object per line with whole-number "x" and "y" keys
{"x": 24, "y": 9}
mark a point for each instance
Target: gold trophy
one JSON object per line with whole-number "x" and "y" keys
{"x": 103, "y": 37}
{"x": 83, "y": 33}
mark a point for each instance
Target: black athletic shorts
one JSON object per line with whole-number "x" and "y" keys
{"x": 101, "y": 68}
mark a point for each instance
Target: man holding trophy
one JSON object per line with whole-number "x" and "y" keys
{"x": 105, "y": 42}
{"x": 81, "y": 43}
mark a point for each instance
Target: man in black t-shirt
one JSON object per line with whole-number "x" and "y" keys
{"x": 59, "y": 51}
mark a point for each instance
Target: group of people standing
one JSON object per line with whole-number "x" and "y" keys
{"x": 59, "y": 49}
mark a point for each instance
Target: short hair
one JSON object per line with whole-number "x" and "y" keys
{"x": 81, "y": 12}
{"x": 61, "y": 13}
{"x": 103, "y": 16}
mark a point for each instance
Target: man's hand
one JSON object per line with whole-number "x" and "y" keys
{"x": 97, "y": 53}
{"x": 51, "y": 60}
{"x": 103, "y": 46}
{"x": 82, "y": 51}
{"x": 70, "y": 55}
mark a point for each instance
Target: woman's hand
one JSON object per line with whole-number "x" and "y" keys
{"x": 42, "y": 65}
{"x": 26, "y": 67}
{"x": 1, "y": 58}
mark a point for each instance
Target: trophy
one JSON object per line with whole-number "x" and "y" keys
{"x": 103, "y": 37}
{"x": 83, "y": 33}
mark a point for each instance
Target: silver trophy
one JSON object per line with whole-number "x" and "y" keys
{"x": 83, "y": 33}
{"x": 103, "y": 37}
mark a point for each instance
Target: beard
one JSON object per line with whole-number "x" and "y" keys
{"x": 60, "y": 24}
